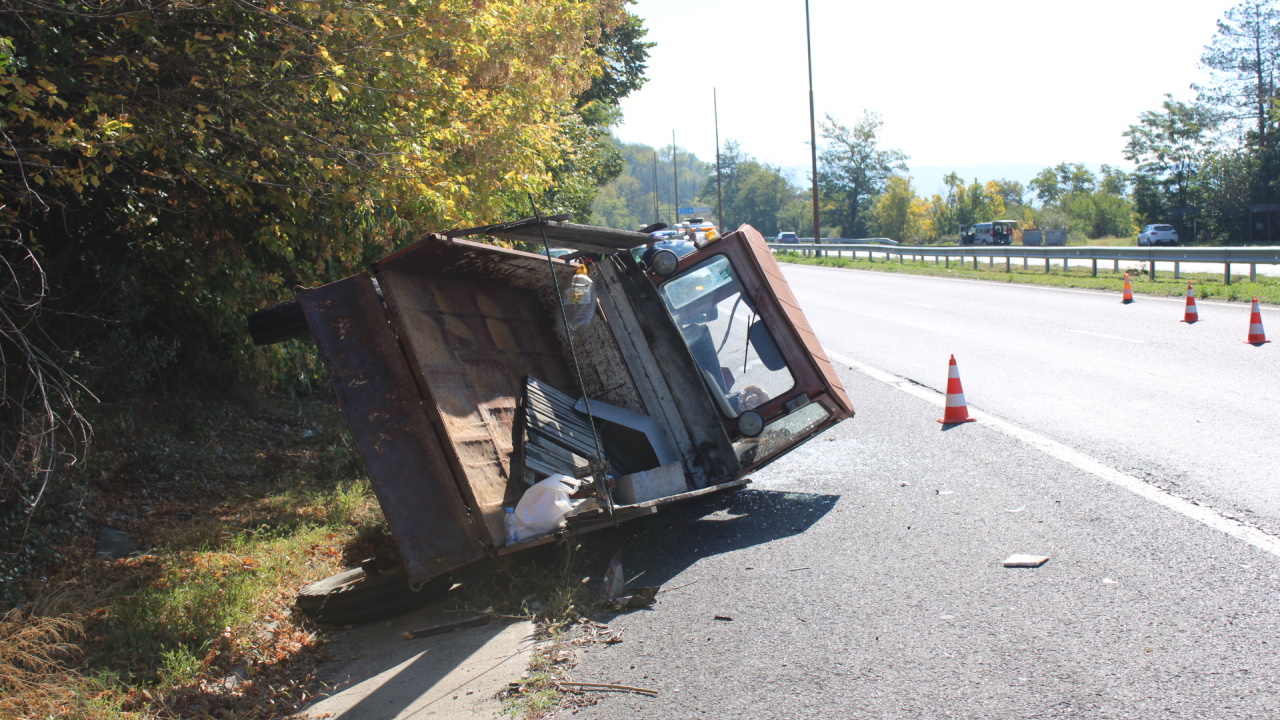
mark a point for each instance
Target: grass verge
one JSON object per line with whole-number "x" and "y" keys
{"x": 1207, "y": 285}
{"x": 231, "y": 505}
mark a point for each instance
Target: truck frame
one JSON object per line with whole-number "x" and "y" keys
{"x": 463, "y": 383}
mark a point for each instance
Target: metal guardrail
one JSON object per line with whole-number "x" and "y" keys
{"x": 1226, "y": 256}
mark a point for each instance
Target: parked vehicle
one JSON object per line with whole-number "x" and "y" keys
{"x": 788, "y": 237}
{"x": 997, "y": 232}
{"x": 463, "y": 387}
{"x": 1158, "y": 235}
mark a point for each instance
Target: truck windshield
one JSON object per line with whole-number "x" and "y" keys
{"x": 736, "y": 354}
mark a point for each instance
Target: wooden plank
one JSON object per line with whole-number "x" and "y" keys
{"x": 642, "y": 364}
{"x": 714, "y": 454}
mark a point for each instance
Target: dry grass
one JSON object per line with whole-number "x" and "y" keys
{"x": 37, "y": 659}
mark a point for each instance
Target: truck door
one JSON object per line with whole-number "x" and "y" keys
{"x": 754, "y": 348}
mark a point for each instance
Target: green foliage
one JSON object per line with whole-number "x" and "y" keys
{"x": 753, "y": 193}
{"x": 853, "y": 169}
{"x": 897, "y": 214}
{"x": 1204, "y": 166}
{"x": 173, "y": 167}
{"x": 628, "y": 201}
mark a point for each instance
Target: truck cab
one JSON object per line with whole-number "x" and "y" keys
{"x": 463, "y": 383}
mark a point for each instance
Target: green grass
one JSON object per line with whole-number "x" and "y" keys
{"x": 1207, "y": 285}
{"x": 239, "y": 502}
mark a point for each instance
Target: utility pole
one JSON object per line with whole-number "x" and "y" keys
{"x": 813, "y": 133}
{"x": 675, "y": 176}
{"x": 655, "y": 187}
{"x": 715, "y": 108}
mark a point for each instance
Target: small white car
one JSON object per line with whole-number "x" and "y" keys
{"x": 1158, "y": 235}
{"x": 788, "y": 237}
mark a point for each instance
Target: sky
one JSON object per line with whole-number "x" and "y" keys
{"x": 1018, "y": 84}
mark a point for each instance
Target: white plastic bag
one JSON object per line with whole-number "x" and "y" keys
{"x": 544, "y": 506}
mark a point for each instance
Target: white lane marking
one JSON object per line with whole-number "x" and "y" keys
{"x": 1109, "y": 337}
{"x": 1199, "y": 513}
{"x": 908, "y": 302}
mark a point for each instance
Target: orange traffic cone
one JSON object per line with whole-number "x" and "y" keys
{"x": 1191, "y": 315}
{"x": 1257, "y": 336}
{"x": 957, "y": 411}
{"x": 1128, "y": 290}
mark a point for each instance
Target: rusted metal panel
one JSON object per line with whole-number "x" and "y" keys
{"x": 471, "y": 345}
{"x": 440, "y": 256}
{"x": 404, "y": 458}
{"x": 564, "y": 234}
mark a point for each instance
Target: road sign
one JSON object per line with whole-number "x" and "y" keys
{"x": 693, "y": 210}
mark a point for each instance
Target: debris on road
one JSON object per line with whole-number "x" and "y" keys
{"x": 606, "y": 686}
{"x": 681, "y": 586}
{"x": 1017, "y": 509}
{"x": 638, "y": 598}
{"x": 1019, "y": 560}
{"x": 614, "y": 579}
{"x": 469, "y": 620}
{"x": 723, "y": 617}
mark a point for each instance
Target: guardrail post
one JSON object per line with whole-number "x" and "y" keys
{"x": 1007, "y": 259}
{"x": 975, "y": 261}
{"x": 1177, "y": 270}
{"x": 1026, "y": 262}
{"x": 948, "y": 262}
{"x": 1095, "y": 267}
{"x": 1046, "y": 266}
{"x": 1253, "y": 272}
{"x": 1226, "y": 273}
{"x": 1117, "y": 268}
{"x": 1153, "y": 269}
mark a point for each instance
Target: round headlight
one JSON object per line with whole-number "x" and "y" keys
{"x": 750, "y": 423}
{"x": 663, "y": 262}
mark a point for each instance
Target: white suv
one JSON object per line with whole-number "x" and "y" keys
{"x": 1158, "y": 235}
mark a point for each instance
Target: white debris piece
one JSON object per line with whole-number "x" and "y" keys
{"x": 1019, "y": 560}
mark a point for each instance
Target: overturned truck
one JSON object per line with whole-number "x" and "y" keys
{"x": 464, "y": 382}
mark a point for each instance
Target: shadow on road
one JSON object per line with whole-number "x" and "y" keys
{"x": 664, "y": 545}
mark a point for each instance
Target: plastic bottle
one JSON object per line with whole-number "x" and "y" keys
{"x": 509, "y": 524}
{"x": 580, "y": 298}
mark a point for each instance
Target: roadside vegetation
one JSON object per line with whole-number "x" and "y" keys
{"x": 218, "y": 510}
{"x": 1207, "y": 285}
{"x": 172, "y": 168}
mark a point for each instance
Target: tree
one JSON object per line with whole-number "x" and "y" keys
{"x": 897, "y": 212}
{"x": 170, "y": 167}
{"x": 1244, "y": 58}
{"x": 1114, "y": 181}
{"x": 1011, "y": 192}
{"x": 1168, "y": 147}
{"x": 1047, "y": 187}
{"x": 754, "y": 193}
{"x": 854, "y": 169}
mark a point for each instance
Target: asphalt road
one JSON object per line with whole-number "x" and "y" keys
{"x": 1190, "y": 408}
{"x": 860, "y": 576}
